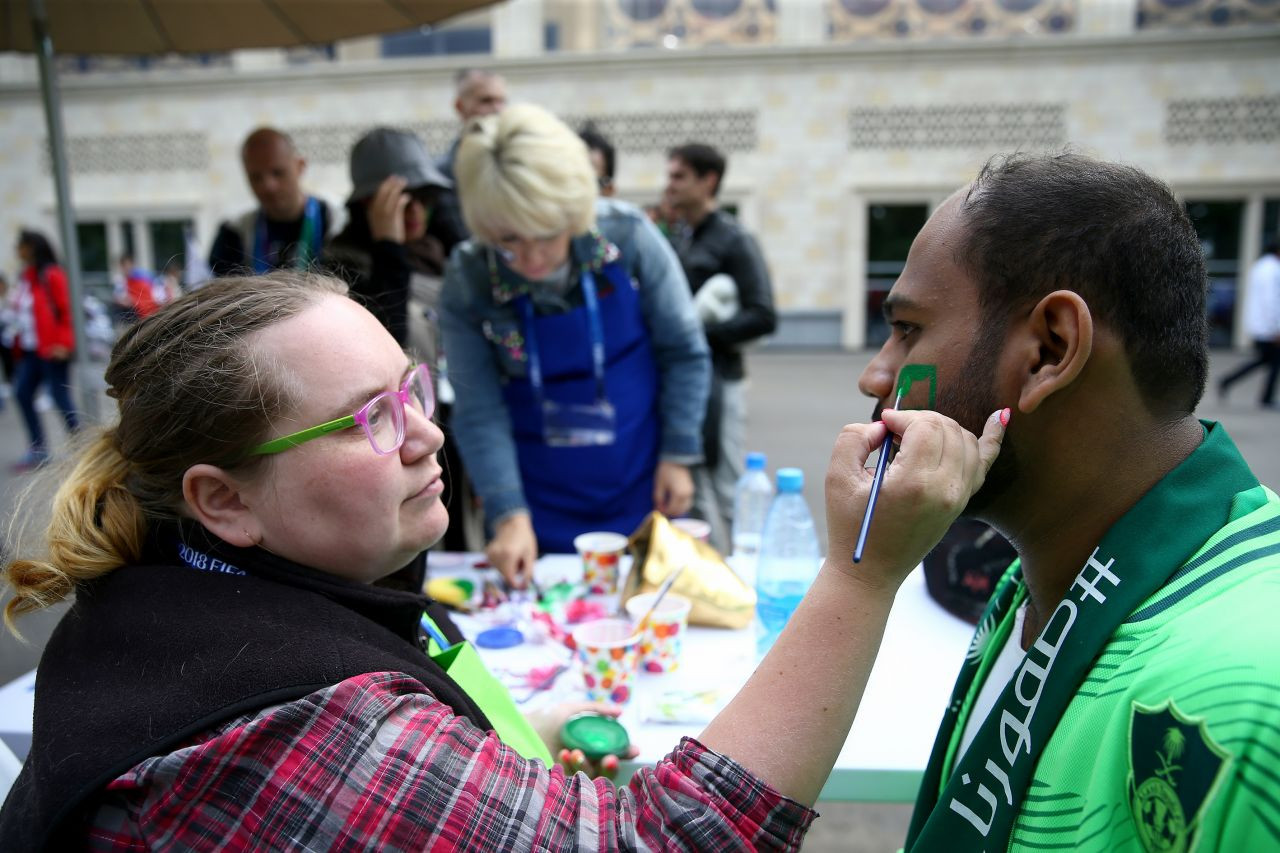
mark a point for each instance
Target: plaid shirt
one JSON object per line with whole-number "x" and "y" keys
{"x": 375, "y": 763}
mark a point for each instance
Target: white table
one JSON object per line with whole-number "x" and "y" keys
{"x": 888, "y": 747}
{"x": 882, "y": 761}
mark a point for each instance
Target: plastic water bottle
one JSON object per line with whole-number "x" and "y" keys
{"x": 751, "y": 500}
{"x": 789, "y": 558}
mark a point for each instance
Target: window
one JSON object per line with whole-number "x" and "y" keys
{"x": 1270, "y": 220}
{"x": 431, "y": 42}
{"x": 168, "y": 243}
{"x": 1218, "y": 223}
{"x": 891, "y": 228}
{"x": 152, "y": 239}
{"x": 95, "y": 259}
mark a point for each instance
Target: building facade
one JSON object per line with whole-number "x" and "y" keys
{"x": 845, "y": 121}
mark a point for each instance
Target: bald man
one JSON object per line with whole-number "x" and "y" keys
{"x": 289, "y": 227}
{"x": 477, "y": 93}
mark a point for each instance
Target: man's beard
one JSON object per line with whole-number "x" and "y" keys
{"x": 970, "y": 401}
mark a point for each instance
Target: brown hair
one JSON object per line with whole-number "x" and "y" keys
{"x": 191, "y": 387}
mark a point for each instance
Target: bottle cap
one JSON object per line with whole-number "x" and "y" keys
{"x": 596, "y": 735}
{"x": 503, "y": 637}
{"x": 790, "y": 480}
{"x": 756, "y": 461}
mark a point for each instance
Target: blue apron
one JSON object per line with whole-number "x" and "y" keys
{"x": 572, "y": 490}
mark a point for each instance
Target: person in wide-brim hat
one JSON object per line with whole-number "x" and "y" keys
{"x": 395, "y": 186}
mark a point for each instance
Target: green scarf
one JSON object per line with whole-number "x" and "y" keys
{"x": 971, "y": 804}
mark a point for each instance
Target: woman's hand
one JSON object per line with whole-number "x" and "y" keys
{"x": 938, "y": 467}
{"x": 514, "y": 549}
{"x": 386, "y": 210}
{"x": 549, "y": 722}
{"x": 58, "y": 352}
{"x": 672, "y": 489}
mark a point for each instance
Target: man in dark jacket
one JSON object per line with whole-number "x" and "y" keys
{"x": 288, "y": 228}
{"x": 731, "y": 287}
{"x": 479, "y": 93}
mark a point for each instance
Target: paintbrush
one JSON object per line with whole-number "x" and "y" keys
{"x": 881, "y": 465}
{"x": 657, "y": 599}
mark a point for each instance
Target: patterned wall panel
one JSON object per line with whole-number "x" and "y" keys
{"x": 1195, "y": 14}
{"x": 135, "y": 154}
{"x": 645, "y": 132}
{"x": 332, "y": 143}
{"x": 696, "y": 23}
{"x": 959, "y": 126}
{"x": 1221, "y": 121}
{"x": 860, "y": 20}
{"x": 95, "y": 63}
{"x": 728, "y": 130}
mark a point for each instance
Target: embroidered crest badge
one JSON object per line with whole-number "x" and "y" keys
{"x": 1174, "y": 767}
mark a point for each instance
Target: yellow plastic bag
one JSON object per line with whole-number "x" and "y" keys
{"x": 720, "y": 598}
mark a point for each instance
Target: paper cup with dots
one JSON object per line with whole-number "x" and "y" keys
{"x": 601, "y": 552}
{"x": 663, "y": 638}
{"x": 609, "y": 650}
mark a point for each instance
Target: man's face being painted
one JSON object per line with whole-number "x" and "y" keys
{"x": 935, "y": 319}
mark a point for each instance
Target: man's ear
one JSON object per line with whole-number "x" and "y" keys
{"x": 1059, "y": 343}
{"x": 712, "y": 180}
{"x": 216, "y": 500}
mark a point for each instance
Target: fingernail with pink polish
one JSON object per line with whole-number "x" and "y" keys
{"x": 1004, "y": 417}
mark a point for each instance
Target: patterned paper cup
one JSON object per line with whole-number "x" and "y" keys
{"x": 600, "y": 552}
{"x": 608, "y": 649}
{"x": 663, "y": 638}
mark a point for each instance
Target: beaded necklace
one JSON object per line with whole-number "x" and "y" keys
{"x": 506, "y": 288}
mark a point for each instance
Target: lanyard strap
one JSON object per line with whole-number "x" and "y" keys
{"x": 971, "y": 804}
{"x": 594, "y": 326}
{"x": 308, "y": 247}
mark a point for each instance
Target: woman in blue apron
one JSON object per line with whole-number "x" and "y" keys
{"x": 573, "y": 346}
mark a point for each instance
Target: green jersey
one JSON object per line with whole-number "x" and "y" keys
{"x": 1169, "y": 740}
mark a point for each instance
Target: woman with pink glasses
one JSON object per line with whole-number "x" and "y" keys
{"x": 232, "y": 676}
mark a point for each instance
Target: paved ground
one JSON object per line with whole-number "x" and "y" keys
{"x": 798, "y": 403}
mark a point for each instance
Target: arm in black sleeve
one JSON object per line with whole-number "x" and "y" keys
{"x": 755, "y": 317}
{"x": 386, "y": 291}
{"x": 227, "y": 255}
{"x": 447, "y": 224}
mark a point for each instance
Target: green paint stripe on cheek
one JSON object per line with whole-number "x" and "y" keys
{"x": 913, "y": 373}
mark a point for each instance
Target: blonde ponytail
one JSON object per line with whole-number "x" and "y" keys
{"x": 96, "y": 525}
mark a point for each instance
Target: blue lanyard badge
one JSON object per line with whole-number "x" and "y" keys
{"x": 306, "y": 250}
{"x": 573, "y": 424}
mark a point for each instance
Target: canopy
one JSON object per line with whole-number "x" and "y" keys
{"x": 209, "y": 26}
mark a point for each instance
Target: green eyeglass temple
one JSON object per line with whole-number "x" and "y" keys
{"x": 285, "y": 442}
{"x": 417, "y": 372}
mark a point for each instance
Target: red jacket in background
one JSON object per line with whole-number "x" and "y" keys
{"x": 141, "y": 295}
{"x": 51, "y": 305}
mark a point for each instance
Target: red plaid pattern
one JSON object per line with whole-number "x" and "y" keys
{"x": 375, "y": 763}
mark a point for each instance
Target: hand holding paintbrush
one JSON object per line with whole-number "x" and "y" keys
{"x": 909, "y": 375}
{"x": 906, "y": 378}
